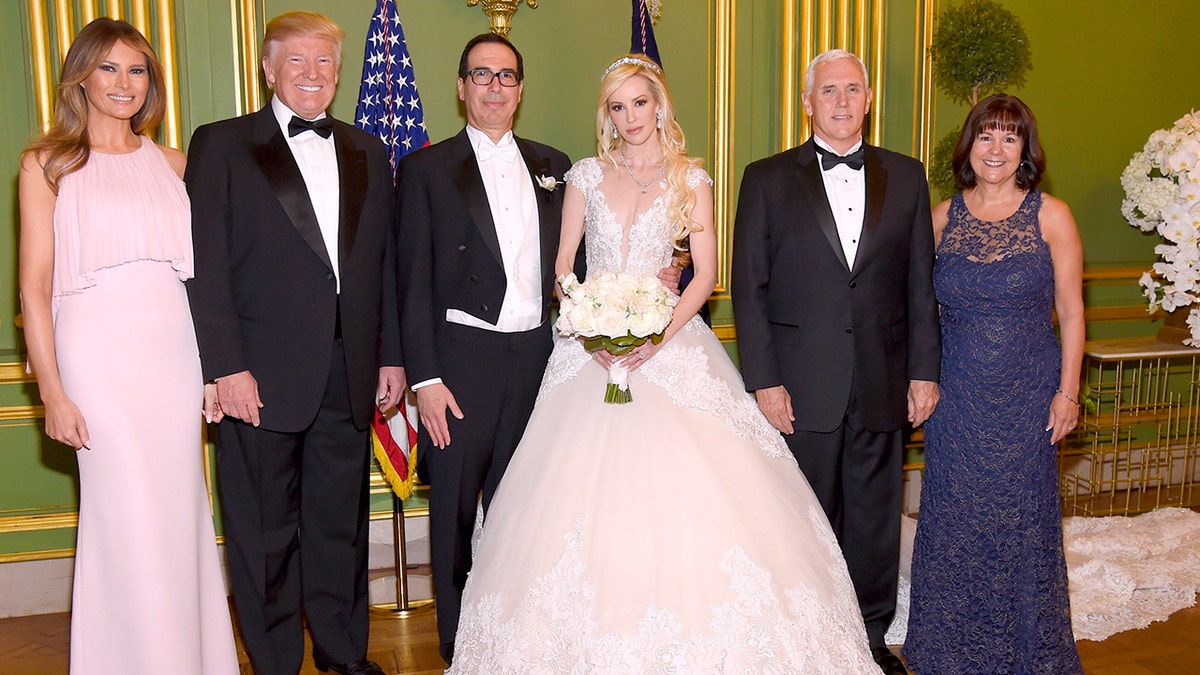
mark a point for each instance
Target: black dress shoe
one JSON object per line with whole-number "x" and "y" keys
{"x": 888, "y": 662}
{"x": 359, "y": 667}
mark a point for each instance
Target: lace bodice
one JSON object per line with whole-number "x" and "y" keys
{"x": 991, "y": 241}
{"x": 649, "y": 242}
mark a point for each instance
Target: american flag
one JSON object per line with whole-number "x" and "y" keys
{"x": 389, "y": 105}
{"x": 642, "y": 40}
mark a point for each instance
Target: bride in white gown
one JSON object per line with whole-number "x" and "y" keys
{"x": 674, "y": 533}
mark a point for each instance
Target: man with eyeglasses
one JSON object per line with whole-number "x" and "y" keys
{"x": 479, "y": 216}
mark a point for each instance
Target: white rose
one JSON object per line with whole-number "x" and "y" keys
{"x": 643, "y": 324}
{"x": 583, "y": 320}
{"x": 612, "y": 322}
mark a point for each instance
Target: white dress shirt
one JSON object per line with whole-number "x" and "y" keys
{"x": 514, "y": 211}
{"x": 846, "y": 190}
{"x": 317, "y": 159}
{"x": 513, "y": 204}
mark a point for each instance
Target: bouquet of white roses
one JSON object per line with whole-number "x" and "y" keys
{"x": 615, "y": 312}
{"x": 1162, "y": 192}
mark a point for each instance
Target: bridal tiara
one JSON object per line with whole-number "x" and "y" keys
{"x": 633, "y": 61}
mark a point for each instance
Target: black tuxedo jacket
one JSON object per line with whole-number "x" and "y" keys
{"x": 808, "y": 321}
{"x": 264, "y": 297}
{"x": 451, "y": 257}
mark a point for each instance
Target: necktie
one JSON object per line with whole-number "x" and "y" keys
{"x": 322, "y": 127}
{"x": 506, "y": 152}
{"x": 829, "y": 159}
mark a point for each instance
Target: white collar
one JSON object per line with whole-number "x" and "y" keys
{"x": 478, "y": 137}
{"x": 283, "y": 115}
{"x": 825, "y": 146}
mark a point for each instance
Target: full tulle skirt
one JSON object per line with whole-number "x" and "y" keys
{"x": 674, "y": 533}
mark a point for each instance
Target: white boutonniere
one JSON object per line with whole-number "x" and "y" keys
{"x": 548, "y": 183}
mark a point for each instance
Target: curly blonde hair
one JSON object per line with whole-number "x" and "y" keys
{"x": 676, "y": 164}
{"x": 64, "y": 148}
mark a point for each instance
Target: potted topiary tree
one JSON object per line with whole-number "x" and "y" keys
{"x": 978, "y": 48}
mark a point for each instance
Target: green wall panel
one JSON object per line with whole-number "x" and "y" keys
{"x": 1105, "y": 75}
{"x": 17, "y": 124}
{"x": 27, "y": 453}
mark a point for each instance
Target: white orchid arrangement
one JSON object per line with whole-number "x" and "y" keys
{"x": 1162, "y": 193}
{"x": 615, "y": 312}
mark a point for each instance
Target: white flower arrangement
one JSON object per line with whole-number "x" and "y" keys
{"x": 615, "y": 312}
{"x": 1162, "y": 193}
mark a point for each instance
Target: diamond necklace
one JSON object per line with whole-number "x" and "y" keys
{"x": 645, "y": 186}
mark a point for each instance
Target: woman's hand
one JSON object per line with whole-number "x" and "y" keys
{"x": 65, "y": 424}
{"x": 212, "y": 406}
{"x": 603, "y": 357}
{"x": 1064, "y": 415}
{"x": 638, "y": 356}
{"x": 631, "y": 360}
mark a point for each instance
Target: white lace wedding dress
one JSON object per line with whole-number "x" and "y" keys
{"x": 673, "y": 534}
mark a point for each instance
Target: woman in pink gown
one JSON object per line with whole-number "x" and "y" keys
{"x": 105, "y": 246}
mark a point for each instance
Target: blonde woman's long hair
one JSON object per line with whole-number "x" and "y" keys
{"x": 676, "y": 164}
{"x": 64, "y": 148}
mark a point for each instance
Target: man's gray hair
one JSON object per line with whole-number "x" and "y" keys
{"x": 832, "y": 55}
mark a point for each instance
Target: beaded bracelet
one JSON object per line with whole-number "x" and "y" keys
{"x": 1067, "y": 396}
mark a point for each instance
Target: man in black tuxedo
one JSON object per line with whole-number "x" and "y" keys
{"x": 837, "y": 320}
{"x": 480, "y": 215}
{"x": 296, "y": 315}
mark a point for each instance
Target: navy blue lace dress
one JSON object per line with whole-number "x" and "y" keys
{"x": 989, "y": 582}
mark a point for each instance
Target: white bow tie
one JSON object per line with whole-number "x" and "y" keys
{"x": 507, "y": 152}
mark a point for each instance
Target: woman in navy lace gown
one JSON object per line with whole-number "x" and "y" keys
{"x": 989, "y": 583}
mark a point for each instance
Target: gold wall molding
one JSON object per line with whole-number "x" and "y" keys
{"x": 154, "y": 18}
{"x": 17, "y": 413}
{"x": 30, "y": 556}
{"x": 923, "y": 83}
{"x": 722, "y": 17}
{"x": 813, "y": 26}
{"x": 37, "y": 522}
{"x": 14, "y": 373}
{"x": 245, "y": 16}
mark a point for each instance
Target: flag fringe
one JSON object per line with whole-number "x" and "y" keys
{"x": 402, "y": 486}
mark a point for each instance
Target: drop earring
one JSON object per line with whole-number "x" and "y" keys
{"x": 614, "y": 128}
{"x": 659, "y": 115}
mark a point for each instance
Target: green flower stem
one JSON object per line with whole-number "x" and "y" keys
{"x": 614, "y": 394}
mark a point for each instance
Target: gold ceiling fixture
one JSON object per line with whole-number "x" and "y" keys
{"x": 500, "y": 12}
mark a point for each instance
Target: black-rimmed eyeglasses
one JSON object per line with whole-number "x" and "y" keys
{"x": 483, "y": 77}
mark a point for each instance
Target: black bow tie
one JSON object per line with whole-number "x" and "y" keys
{"x": 322, "y": 127}
{"x": 830, "y": 159}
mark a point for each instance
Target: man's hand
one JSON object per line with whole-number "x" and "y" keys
{"x": 432, "y": 402}
{"x": 669, "y": 276}
{"x": 238, "y": 396}
{"x": 391, "y": 387}
{"x": 922, "y": 399}
{"x": 776, "y": 404}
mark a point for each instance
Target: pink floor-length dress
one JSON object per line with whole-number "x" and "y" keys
{"x": 148, "y": 593}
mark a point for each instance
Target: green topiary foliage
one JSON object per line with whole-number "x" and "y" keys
{"x": 941, "y": 166}
{"x": 978, "y": 49}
